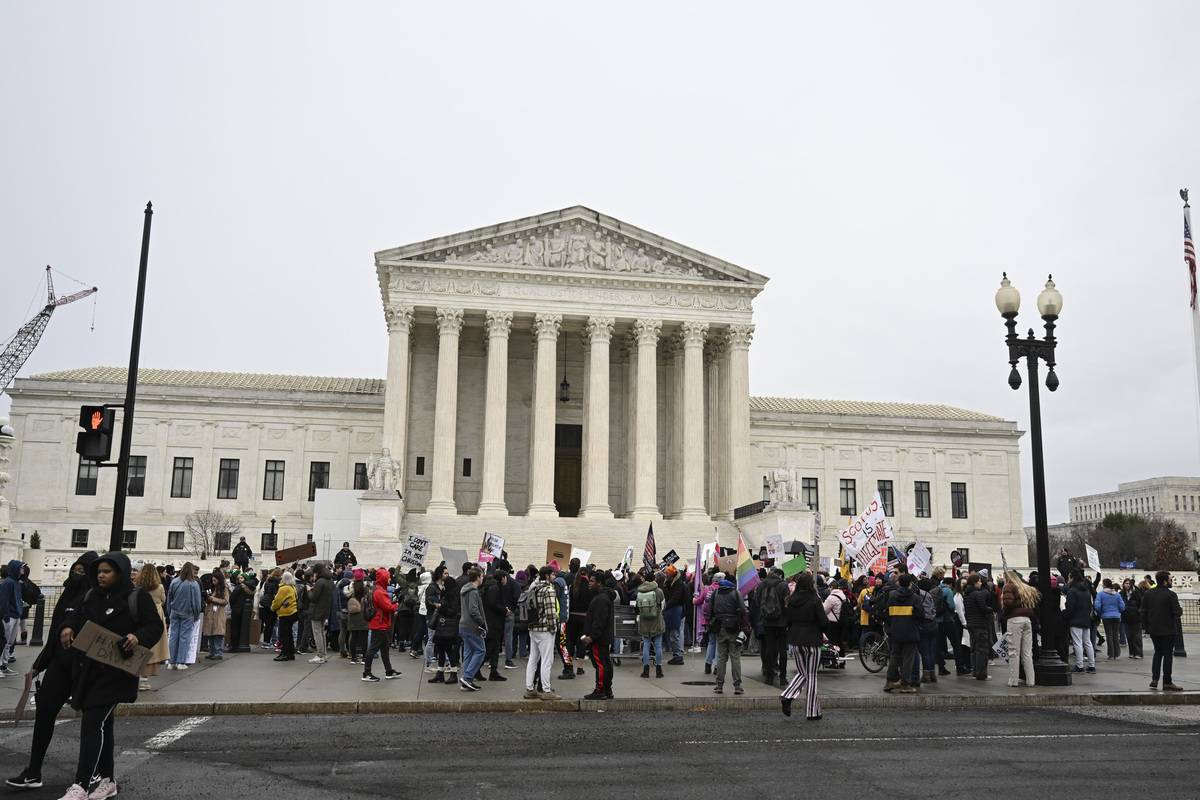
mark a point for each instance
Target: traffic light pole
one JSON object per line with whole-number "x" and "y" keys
{"x": 117, "y": 536}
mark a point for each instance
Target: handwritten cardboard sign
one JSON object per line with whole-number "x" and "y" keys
{"x": 298, "y": 553}
{"x": 101, "y": 644}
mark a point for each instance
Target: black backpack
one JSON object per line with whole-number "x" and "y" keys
{"x": 846, "y": 615}
{"x": 368, "y": 607}
{"x": 770, "y": 608}
{"x": 939, "y": 601}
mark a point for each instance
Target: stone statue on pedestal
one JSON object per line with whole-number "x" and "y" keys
{"x": 383, "y": 473}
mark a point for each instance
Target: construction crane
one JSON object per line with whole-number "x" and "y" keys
{"x": 21, "y": 345}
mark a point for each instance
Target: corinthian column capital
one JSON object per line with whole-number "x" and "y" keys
{"x": 693, "y": 333}
{"x": 499, "y": 323}
{"x": 398, "y": 317}
{"x": 647, "y": 330}
{"x": 449, "y": 321}
{"x": 739, "y": 336}
{"x": 600, "y": 329}
{"x": 547, "y": 326}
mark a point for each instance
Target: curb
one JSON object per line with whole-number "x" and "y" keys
{"x": 643, "y": 704}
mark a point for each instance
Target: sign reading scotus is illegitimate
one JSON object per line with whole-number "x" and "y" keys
{"x": 867, "y": 536}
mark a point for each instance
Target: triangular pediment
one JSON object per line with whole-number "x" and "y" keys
{"x": 575, "y": 239}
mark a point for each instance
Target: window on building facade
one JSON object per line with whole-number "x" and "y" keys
{"x": 85, "y": 479}
{"x": 181, "y": 478}
{"x": 135, "y": 485}
{"x": 885, "y": 494}
{"x": 810, "y": 494}
{"x": 227, "y": 478}
{"x": 269, "y": 541}
{"x": 420, "y": 465}
{"x": 921, "y": 496}
{"x": 1176, "y": 502}
{"x": 79, "y": 537}
{"x": 174, "y": 540}
{"x": 466, "y": 467}
{"x": 128, "y": 540}
{"x": 360, "y": 475}
{"x": 273, "y": 481}
{"x": 223, "y": 541}
{"x": 318, "y": 478}
{"x": 958, "y": 500}
{"x": 849, "y": 501}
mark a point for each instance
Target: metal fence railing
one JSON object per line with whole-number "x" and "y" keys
{"x": 1191, "y": 614}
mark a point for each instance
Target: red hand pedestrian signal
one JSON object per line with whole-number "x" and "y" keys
{"x": 95, "y": 441}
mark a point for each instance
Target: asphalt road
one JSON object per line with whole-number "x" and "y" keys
{"x": 1017, "y": 753}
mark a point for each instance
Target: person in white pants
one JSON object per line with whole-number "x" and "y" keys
{"x": 541, "y": 607}
{"x": 1020, "y": 602}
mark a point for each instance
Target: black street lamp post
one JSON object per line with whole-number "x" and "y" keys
{"x": 1050, "y": 669}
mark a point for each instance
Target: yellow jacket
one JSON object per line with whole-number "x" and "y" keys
{"x": 284, "y": 603}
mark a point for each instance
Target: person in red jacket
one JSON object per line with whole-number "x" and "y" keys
{"x": 379, "y": 630}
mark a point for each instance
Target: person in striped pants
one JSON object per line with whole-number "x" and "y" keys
{"x": 806, "y": 621}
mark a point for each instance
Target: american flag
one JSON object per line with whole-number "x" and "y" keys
{"x": 650, "y": 554}
{"x": 1189, "y": 250}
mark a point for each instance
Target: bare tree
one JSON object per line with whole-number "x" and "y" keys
{"x": 1171, "y": 550}
{"x": 205, "y": 528}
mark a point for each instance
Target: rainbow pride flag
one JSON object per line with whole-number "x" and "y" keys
{"x": 747, "y": 575}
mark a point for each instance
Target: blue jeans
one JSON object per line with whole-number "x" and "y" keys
{"x": 474, "y": 650}
{"x": 646, "y": 640}
{"x": 710, "y": 654}
{"x": 179, "y": 641}
{"x": 216, "y": 646}
{"x": 674, "y": 620}
{"x": 508, "y": 638}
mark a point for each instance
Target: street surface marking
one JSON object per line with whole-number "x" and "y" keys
{"x": 984, "y": 738}
{"x": 164, "y": 739}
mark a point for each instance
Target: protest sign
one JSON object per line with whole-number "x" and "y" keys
{"x": 919, "y": 559}
{"x": 1093, "y": 558}
{"x": 300, "y": 552}
{"x": 454, "y": 560}
{"x": 796, "y": 565}
{"x": 867, "y": 536}
{"x": 670, "y": 558}
{"x": 485, "y": 558}
{"x": 728, "y": 565}
{"x": 826, "y": 565}
{"x": 628, "y": 557}
{"x": 1000, "y": 648}
{"x": 774, "y": 543}
{"x": 558, "y": 551}
{"x": 415, "y": 550}
{"x": 584, "y": 556}
{"x": 101, "y": 644}
{"x": 493, "y": 544}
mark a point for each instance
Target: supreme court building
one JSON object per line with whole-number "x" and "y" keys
{"x": 565, "y": 376}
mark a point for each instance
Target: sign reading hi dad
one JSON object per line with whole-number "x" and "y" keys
{"x": 867, "y": 536}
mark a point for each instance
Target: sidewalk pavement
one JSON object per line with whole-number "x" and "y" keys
{"x": 252, "y": 683}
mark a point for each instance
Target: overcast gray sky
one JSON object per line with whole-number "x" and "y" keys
{"x": 881, "y": 162}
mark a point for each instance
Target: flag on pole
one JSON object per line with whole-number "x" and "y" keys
{"x": 1189, "y": 248}
{"x": 650, "y": 554}
{"x": 747, "y": 575}
{"x": 697, "y": 568}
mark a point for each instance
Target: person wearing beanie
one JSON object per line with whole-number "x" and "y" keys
{"x": 703, "y": 599}
{"x": 10, "y": 609}
{"x": 379, "y": 629}
{"x": 730, "y": 620}
{"x": 675, "y": 609}
{"x": 54, "y": 663}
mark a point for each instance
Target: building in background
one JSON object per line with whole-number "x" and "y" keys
{"x": 1175, "y": 498}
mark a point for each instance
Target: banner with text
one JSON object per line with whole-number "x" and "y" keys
{"x": 415, "y": 550}
{"x": 867, "y": 536}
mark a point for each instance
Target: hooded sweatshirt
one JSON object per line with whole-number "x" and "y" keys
{"x": 471, "y": 617}
{"x": 1109, "y": 604}
{"x": 385, "y": 609}
{"x": 74, "y": 589}
{"x": 10, "y": 592}
{"x": 97, "y": 685}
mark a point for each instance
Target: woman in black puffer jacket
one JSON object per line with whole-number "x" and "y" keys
{"x": 55, "y": 664}
{"x": 97, "y": 689}
{"x": 806, "y": 621}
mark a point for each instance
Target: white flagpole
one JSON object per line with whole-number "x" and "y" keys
{"x": 1195, "y": 306}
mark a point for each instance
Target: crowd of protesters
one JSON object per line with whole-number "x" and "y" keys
{"x": 464, "y": 630}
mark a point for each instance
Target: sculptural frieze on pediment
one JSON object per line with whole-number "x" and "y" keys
{"x": 577, "y": 247}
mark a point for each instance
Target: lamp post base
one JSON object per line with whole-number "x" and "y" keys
{"x": 1052, "y": 672}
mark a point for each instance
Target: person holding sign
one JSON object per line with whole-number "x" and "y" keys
{"x": 112, "y": 604}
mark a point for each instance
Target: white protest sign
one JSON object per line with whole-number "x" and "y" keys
{"x": 628, "y": 557}
{"x": 584, "y": 556}
{"x": 919, "y": 559}
{"x": 1093, "y": 558}
{"x": 867, "y": 536}
{"x": 493, "y": 544}
{"x": 707, "y": 552}
{"x": 454, "y": 560}
{"x": 415, "y": 550}
{"x": 774, "y": 543}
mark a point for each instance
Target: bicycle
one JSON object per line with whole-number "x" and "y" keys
{"x": 874, "y": 651}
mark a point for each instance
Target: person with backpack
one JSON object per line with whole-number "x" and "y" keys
{"x": 729, "y": 620}
{"x": 675, "y": 608}
{"x": 598, "y": 632}
{"x": 1109, "y": 605}
{"x": 651, "y": 625}
{"x": 537, "y": 613}
{"x": 379, "y": 612}
{"x": 446, "y": 643}
{"x": 495, "y": 609}
{"x": 266, "y": 598}
{"x": 407, "y": 602}
{"x": 977, "y": 607}
{"x": 114, "y": 604}
{"x": 420, "y": 632}
{"x": 356, "y": 626}
{"x": 770, "y": 596}
{"x": 903, "y": 613}
{"x": 806, "y": 620}
{"x": 472, "y": 629}
{"x": 320, "y": 604}
{"x": 928, "y": 629}
{"x": 839, "y": 613}
{"x": 1078, "y": 616}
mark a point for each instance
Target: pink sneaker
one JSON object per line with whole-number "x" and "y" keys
{"x": 107, "y": 787}
{"x": 76, "y": 792}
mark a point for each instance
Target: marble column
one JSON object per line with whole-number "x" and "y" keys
{"x": 692, "y": 462}
{"x": 541, "y": 467}
{"x": 713, "y": 353}
{"x": 445, "y": 418}
{"x": 674, "y": 438}
{"x": 645, "y": 499}
{"x": 595, "y": 465}
{"x": 495, "y": 415}
{"x": 629, "y": 347}
{"x": 741, "y": 489}
{"x": 395, "y": 401}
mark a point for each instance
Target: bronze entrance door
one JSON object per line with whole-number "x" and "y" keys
{"x": 568, "y": 469}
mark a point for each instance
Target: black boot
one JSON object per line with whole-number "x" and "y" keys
{"x": 646, "y": 671}
{"x": 787, "y": 706}
{"x": 439, "y": 678}
{"x": 657, "y": 671}
{"x": 496, "y": 676}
